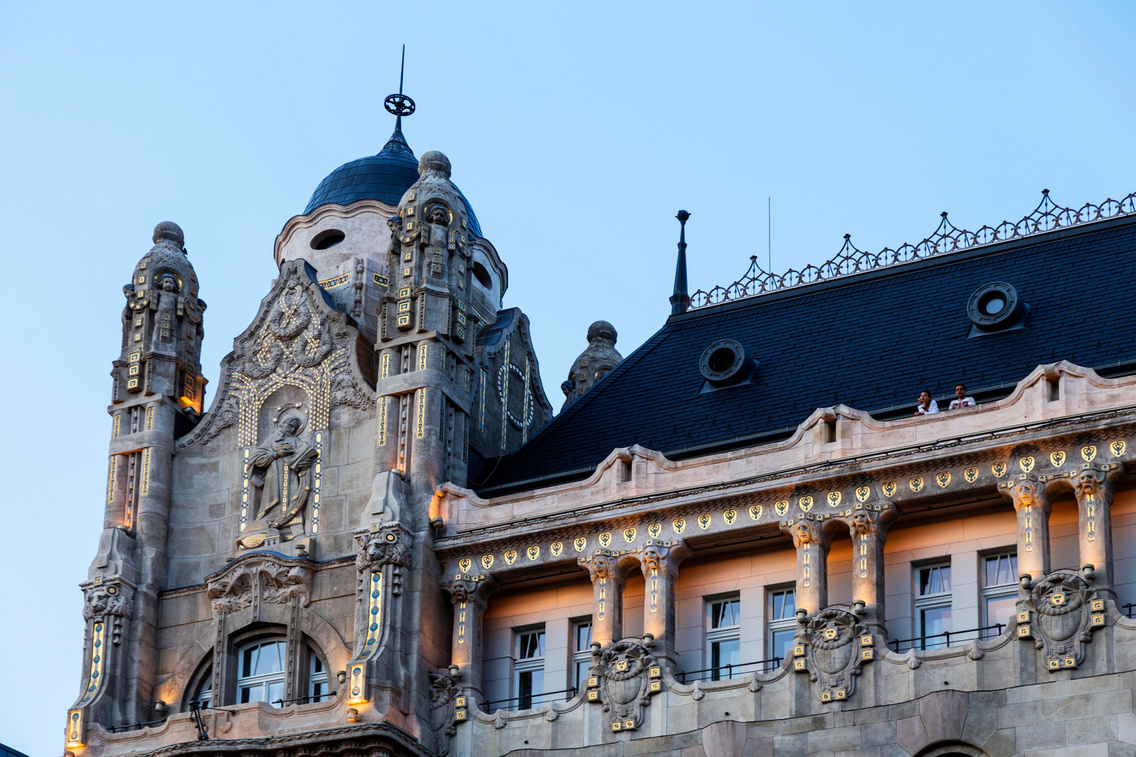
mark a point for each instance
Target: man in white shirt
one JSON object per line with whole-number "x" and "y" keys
{"x": 926, "y": 405}
{"x": 961, "y": 400}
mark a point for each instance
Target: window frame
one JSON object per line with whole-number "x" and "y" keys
{"x": 522, "y": 665}
{"x": 580, "y": 682}
{"x": 721, "y": 634}
{"x": 262, "y": 680}
{"x": 937, "y": 601}
{"x": 997, "y": 591}
{"x": 774, "y": 626}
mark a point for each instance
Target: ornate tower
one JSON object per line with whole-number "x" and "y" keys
{"x": 157, "y": 394}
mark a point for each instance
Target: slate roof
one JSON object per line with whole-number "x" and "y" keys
{"x": 384, "y": 177}
{"x": 871, "y": 341}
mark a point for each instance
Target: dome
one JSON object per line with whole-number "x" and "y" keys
{"x": 384, "y": 177}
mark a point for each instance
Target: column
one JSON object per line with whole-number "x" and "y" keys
{"x": 659, "y": 562}
{"x": 1032, "y": 506}
{"x": 1093, "y": 486}
{"x": 607, "y": 597}
{"x": 812, "y": 563}
{"x": 869, "y": 532}
{"x": 470, "y": 595}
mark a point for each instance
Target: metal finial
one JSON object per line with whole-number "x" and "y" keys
{"x": 399, "y": 104}
{"x": 679, "y": 299}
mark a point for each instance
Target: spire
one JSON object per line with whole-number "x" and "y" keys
{"x": 680, "y": 300}
{"x": 399, "y": 104}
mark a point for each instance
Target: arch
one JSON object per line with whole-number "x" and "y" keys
{"x": 952, "y": 749}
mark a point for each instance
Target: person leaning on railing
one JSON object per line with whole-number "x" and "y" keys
{"x": 926, "y": 405}
{"x": 961, "y": 400}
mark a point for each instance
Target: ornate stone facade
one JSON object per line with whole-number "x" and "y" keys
{"x": 348, "y": 555}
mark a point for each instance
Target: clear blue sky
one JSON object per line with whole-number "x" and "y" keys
{"x": 576, "y": 131}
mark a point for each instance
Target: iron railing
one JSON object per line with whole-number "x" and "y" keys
{"x": 311, "y": 698}
{"x": 133, "y": 726}
{"x": 730, "y": 670}
{"x": 530, "y": 701}
{"x": 896, "y": 644}
{"x": 1047, "y": 216}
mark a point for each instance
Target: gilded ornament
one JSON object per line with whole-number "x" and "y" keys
{"x": 679, "y": 525}
{"x": 629, "y": 535}
{"x": 1057, "y": 458}
{"x": 755, "y": 511}
{"x": 1089, "y": 453}
{"x": 704, "y": 521}
{"x": 605, "y": 539}
{"x": 579, "y": 543}
{"x": 862, "y": 493}
{"x": 1117, "y": 448}
{"x": 1026, "y": 464}
{"x": 805, "y": 503}
{"x": 890, "y": 488}
{"x": 970, "y": 474}
{"x": 730, "y": 517}
{"x": 487, "y": 561}
{"x": 781, "y": 507}
{"x": 998, "y": 469}
{"x": 533, "y": 552}
{"x": 654, "y": 530}
{"x": 943, "y": 479}
{"x": 557, "y": 548}
{"x": 834, "y": 499}
{"x": 465, "y": 564}
{"x": 510, "y": 557}
{"x": 916, "y": 484}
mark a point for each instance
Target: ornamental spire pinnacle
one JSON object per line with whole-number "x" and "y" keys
{"x": 680, "y": 300}
{"x": 399, "y": 104}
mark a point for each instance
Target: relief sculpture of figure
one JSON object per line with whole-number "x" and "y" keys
{"x": 280, "y": 473}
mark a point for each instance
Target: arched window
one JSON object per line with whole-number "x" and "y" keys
{"x": 261, "y": 670}
{"x": 317, "y": 678}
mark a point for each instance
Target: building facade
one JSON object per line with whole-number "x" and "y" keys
{"x": 740, "y": 539}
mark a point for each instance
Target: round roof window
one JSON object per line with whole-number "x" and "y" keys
{"x": 995, "y": 306}
{"x": 724, "y": 362}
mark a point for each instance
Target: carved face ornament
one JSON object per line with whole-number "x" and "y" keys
{"x": 862, "y": 522}
{"x": 804, "y": 532}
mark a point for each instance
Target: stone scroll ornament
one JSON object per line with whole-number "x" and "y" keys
{"x": 1060, "y": 615}
{"x": 832, "y": 647}
{"x": 248, "y": 583}
{"x": 627, "y": 676}
{"x": 443, "y": 695}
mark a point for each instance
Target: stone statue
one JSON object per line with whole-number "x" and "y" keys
{"x": 165, "y": 331}
{"x": 279, "y": 473}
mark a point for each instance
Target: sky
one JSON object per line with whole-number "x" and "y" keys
{"x": 576, "y": 130}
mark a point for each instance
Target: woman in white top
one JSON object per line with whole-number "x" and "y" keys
{"x": 926, "y": 405}
{"x": 961, "y": 400}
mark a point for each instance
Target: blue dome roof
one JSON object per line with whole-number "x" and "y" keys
{"x": 384, "y": 177}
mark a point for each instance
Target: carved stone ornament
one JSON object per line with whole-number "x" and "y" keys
{"x": 109, "y": 601}
{"x": 835, "y": 646}
{"x": 598, "y": 565}
{"x": 297, "y": 339}
{"x": 803, "y": 531}
{"x": 629, "y": 675}
{"x": 1025, "y": 491}
{"x": 467, "y": 588}
{"x": 1064, "y": 611}
{"x": 389, "y": 545}
{"x": 443, "y": 691}
{"x": 270, "y": 579}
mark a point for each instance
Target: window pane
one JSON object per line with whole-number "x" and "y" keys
{"x": 583, "y": 636}
{"x": 934, "y": 580}
{"x": 999, "y": 610}
{"x": 530, "y": 645}
{"x": 935, "y": 621}
{"x": 582, "y": 666}
{"x": 790, "y": 605}
{"x": 316, "y": 665}
{"x": 275, "y": 692}
{"x": 782, "y": 643}
{"x": 268, "y": 658}
{"x": 724, "y": 613}
{"x": 778, "y": 605}
{"x": 722, "y": 655}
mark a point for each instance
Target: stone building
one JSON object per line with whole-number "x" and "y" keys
{"x": 740, "y": 540}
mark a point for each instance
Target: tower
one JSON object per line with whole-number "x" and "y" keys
{"x": 157, "y": 395}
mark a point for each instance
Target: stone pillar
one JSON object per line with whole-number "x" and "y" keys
{"x": 470, "y": 595}
{"x": 659, "y": 562}
{"x": 1032, "y": 505}
{"x": 869, "y": 532}
{"x": 812, "y": 563}
{"x": 607, "y": 596}
{"x": 1093, "y": 485}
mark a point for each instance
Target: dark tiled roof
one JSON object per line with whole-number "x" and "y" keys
{"x": 871, "y": 341}
{"x": 384, "y": 177}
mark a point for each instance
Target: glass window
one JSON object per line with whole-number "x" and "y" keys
{"x": 723, "y": 637}
{"x": 999, "y": 592}
{"x": 581, "y": 653}
{"x": 782, "y": 624}
{"x": 528, "y": 681}
{"x": 933, "y": 605}
{"x": 260, "y": 673}
{"x": 317, "y": 678}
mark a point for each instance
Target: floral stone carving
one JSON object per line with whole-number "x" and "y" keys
{"x": 250, "y": 582}
{"x": 832, "y": 648}
{"x": 628, "y": 677}
{"x": 1060, "y": 614}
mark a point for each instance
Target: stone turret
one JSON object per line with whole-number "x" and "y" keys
{"x": 157, "y": 395}
{"x": 596, "y": 361}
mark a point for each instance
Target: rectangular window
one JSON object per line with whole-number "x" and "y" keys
{"x": 933, "y": 605}
{"x": 782, "y": 624}
{"x": 581, "y": 653}
{"x": 723, "y": 637}
{"x": 999, "y": 592}
{"x": 528, "y": 671}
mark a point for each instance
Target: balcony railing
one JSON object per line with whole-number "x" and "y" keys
{"x": 931, "y": 641}
{"x": 531, "y": 700}
{"x": 730, "y": 670}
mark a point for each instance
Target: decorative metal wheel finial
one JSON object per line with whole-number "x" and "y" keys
{"x": 399, "y": 104}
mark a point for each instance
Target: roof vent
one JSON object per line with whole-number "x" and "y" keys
{"x": 725, "y": 363}
{"x": 996, "y": 307}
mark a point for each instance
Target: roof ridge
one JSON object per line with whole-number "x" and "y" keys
{"x": 1046, "y": 217}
